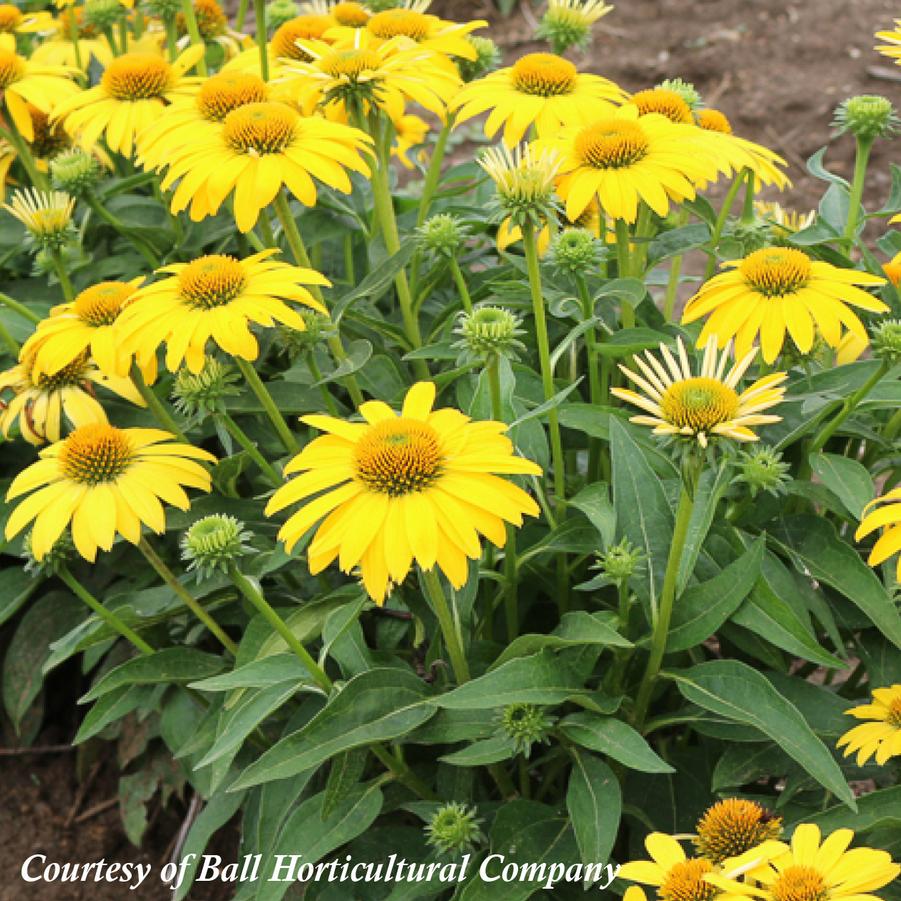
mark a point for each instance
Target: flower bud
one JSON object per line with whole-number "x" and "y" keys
{"x": 489, "y": 331}
{"x": 567, "y": 23}
{"x": 295, "y": 342}
{"x": 442, "y": 235}
{"x": 685, "y": 89}
{"x": 164, "y": 9}
{"x": 75, "y": 171}
{"x": 762, "y": 469}
{"x": 526, "y": 725}
{"x": 280, "y": 11}
{"x": 886, "y": 337}
{"x": 213, "y": 543}
{"x": 454, "y": 829}
{"x": 56, "y": 558}
{"x": 620, "y": 562}
{"x": 488, "y": 58}
{"x": 103, "y": 14}
{"x": 46, "y": 215}
{"x": 576, "y": 251}
{"x": 867, "y": 117}
{"x": 203, "y": 394}
{"x": 524, "y": 182}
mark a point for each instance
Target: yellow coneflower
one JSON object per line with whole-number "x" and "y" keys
{"x": 786, "y": 222}
{"x": 212, "y": 23}
{"x": 892, "y": 270}
{"x": 15, "y": 21}
{"x": 731, "y": 827}
{"x": 812, "y": 870}
{"x": 705, "y": 406}
{"x": 887, "y": 518}
{"x": 42, "y": 404}
{"x": 540, "y": 89}
{"x": 418, "y": 27}
{"x": 133, "y": 91}
{"x": 46, "y": 215}
{"x": 423, "y": 485}
{"x": 59, "y": 49}
{"x": 216, "y": 298}
{"x": 258, "y": 148}
{"x": 83, "y": 326}
{"x": 880, "y": 736}
{"x": 777, "y": 290}
{"x": 524, "y": 180}
{"x": 104, "y": 481}
{"x": 892, "y": 47}
{"x": 669, "y": 871}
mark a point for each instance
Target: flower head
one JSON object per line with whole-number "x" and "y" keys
{"x": 413, "y": 25}
{"x": 620, "y": 562}
{"x": 75, "y": 171}
{"x": 779, "y": 290}
{"x": 422, "y": 485}
{"x": 576, "y": 251}
{"x": 886, "y": 337}
{"x": 46, "y": 215}
{"x": 685, "y": 89}
{"x": 888, "y": 518}
{"x": 526, "y": 725}
{"x": 880, "y": 735}
{"x": 567, "y": 23}
{"x": 489, "y": 332}
{"x": 524, "y": 182}
{"x": 442, "y": 234}
{"x": 730, "y": 828}
{"x": 280, "y": 11}
{"x": 487, "y": 58}
{"x": 674, "y": 876}
{"x": 701, "y": 407}
{"x": 104, "y": 481}
{"x": 215, "y": 297}
{"x": 454, "y": 829}
{"x": 213, "y": 543}
{"x": 867, "y": 117}
{"x": 204, "y": 393}
{"x": 762, "y": 469}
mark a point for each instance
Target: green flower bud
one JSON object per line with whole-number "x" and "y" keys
{"x": 576, "y": 251}
{"x": 58, "y": 556}
{"x": 75, "y": 171}
{"x": 567, "y": 23}
{"x": 685, "y": 89}
{"x": 526, "y": 725}
{"x": 164, "y": 9}
{"x": 620, "y": 562}
{"x": 280, "y": 11}
{"x": 749, "y": 236}
{"x": 762, "y": 469}
{"x": 489, "y": 331}
{"x": 488, "y": 58}
{"x": 886, "y": 339}
{"x": 203, "y": 394}
{"x": 454, "y": 829}
{"x": 524, "y": 184}
{"x": 103, "y": 14}
{"x": 295, "y": 342}
{"x": 442, "y": 235}
{"x": 214, "y": 542}
{"x": 867, "y": 117}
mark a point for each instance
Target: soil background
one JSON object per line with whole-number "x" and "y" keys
{"x": 777, "y": 69}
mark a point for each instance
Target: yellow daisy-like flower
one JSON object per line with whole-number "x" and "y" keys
{"x": 83, "y": 326}
{"x": 25, "y": 82}
{"x": 46, "y": 215}
{"x": 258, "y": 148}
{"x": 674, "y": 876}
{"x": 892, "y": 270}
{"x": 787, "y": 222}
{"x": 540, "y": 89}
{"x": 734, "y": 826}
{"x": 387, "y": 74}
{"x": 704, "y": 406}
{"x": 133, "y": 91}
{"x": 188, "y": 117}
{"x": 284, "y": 43}
{"x": 215, "y": 298}
{"x": 104, "y": 481}
{"x": 777, "y": 290}
{"x": 59, "y": 48}
{"x": 212, "y": 23}
{"x": 625, "y": 157}
{"x": 850, "y": 348}
{"x": 418, "y": 27}
{"x": 41, "y": 403}
{"x": 892, "y": 47}
{"x": 410, "y": 132}
{"x": 888, "y": 518}
{"x": 422, "y": 485}
{"x": 880, "y": 737}
{"x": 14, "y": 21}
{"x": 812, "y": 870}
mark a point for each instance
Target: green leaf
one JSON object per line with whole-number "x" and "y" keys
{"x": 878, "y": 808}
{"x": 18, "y": 587}
{"x": 378, "y": 705}
{"x": 618, "y": 740}
{"x": 112, "y": 707}
{"x": 644, "y": 513}
{"x": 702, "y": 609}
{"x": 169, "y": 665}
{"x": 740, "y": 693}
{"x": 594, "y": 803}
{"x": 343, "y": 775}
{"x": 542, "y": 678}
{"x": 816, "y": 549}
{"x": 678, "y": 241}
{"x": 629, "y": 341}
{"x": 594, "y": 502}
{"x": 483, "y": 752}
{"x": 711, "y": 488}
{"x": 376, "y": 283}
{"x": 258, "y": 674}
{"x": 848, "y": 479}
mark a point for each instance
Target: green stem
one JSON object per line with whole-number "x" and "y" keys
{"x": 269, "y": 406}
{"x": 64, "y": 281}
{"x": 433, "y": 173}
{"x": 114, "y": 222}
{"x": 544, "y": 355}
{"x": 460, "y": 282}
{"x": 73, "y": 37}
{"x": 107, "y": 616}
{"x": 861, "y": 161}
{"x": 316, "y": 372}
{"x": 349, "y": 269}
{"x": 187, "y": 8}
{"x": 252, "y": 451}
{"x": 664, "y": 615}
{"x": 242, "y": 14}
{"x": 23, "y": 152}
{"x": 672, "y": 288}
{"x": 161, "y": 414}
{"x": 747, "y": 210}
{"x": 123, "y": 35}
{"x": 302, "y": 258}
{"x": 624, "y": 260}
{"x": 7, "y": 339}
{"x": 184, "y": 595}
{"x": 721, "y": 219}
{"x": 446, "y": 621}
{"x": 892, "y": 427}
{"x": 403, "y": 773}
{"x": 847, "y": 409}
{"x": 597, "y": 388}
{"x": 259, "y": 12}
{"x": 19, "y": 308}
{"x": 255, "y": 596}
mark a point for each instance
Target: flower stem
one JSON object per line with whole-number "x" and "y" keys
{"x": 624, "y": 260}
{"x": 162, "y": 415}
{"x": 861, "y": 161}
{"x": 114, "y": 222}
{"x": 597, "y": 387}
{"x": 7, "y": 339}
{"x": 460, "y": 282}
{"x": 255, "y": 596}
{"x": 19, "y": 308}
{"x": 23, "y": 152}
{"x": 73, "y": 37}
{"x": 269, "y": 406}
{"x": 446, "y": 621}
{"x": 64, "y": 281}
{"x": 184, "y": 595}
{"x": 433, "y": 174}
{"x": 187, "y": 8}
{"x": 720, "y": 223}
{"x": 892, "y": 427}
{"x": 241, "y": 17}
{"x": 107, "y": 616}
{"x": 253, "y": 452}
{"x": 259, "y": 13}
{"x": 664, "y": 616}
